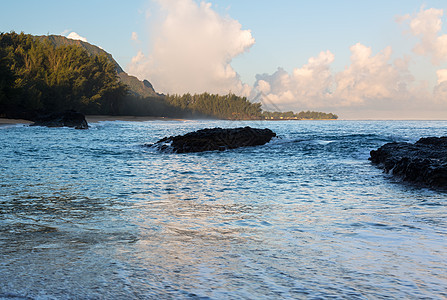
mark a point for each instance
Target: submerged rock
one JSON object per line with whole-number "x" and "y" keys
{"x": 62, "y": 119}
{"x": 215, "y": 139}
{"x": 424, "y": 162}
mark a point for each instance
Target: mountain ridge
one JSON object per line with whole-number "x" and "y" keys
{"x": 136, "y": 87}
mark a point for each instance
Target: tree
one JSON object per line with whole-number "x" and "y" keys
{"x": 38, "y": 76}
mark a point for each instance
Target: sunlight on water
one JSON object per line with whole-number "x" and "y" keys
{"x": 95, "y": 214}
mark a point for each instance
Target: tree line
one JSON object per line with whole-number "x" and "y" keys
{"x": 303, "y": 115}
{"x": 39, "y": 77}
{"x": 229, "y": 107}
{"x": 233, "y": 107}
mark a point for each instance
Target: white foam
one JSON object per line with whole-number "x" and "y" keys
{"x": 8, "y": 126}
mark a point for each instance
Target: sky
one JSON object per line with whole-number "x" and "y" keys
{"x": 358, "y": 59}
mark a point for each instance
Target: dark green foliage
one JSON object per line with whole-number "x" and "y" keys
{"x": 40, "y": 77}
{"x": 315, "y": 115}
{"x": 136, "y": 87}
{"x": 230, "y": 107}
{"x": 304, "y": 115}
{"x": 92, "y": 50}
{"x": 7, "y": 79}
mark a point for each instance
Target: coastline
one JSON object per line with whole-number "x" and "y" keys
{"x": 102, "y": 118}
{"x": 94, "y": 119}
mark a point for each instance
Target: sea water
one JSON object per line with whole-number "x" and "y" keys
{"x": 95, "y": 214}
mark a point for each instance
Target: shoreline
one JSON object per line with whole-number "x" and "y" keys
{"x": 102, "y": 118}
{"x": 94, "y": 119}
{"x": 107, "y": 118}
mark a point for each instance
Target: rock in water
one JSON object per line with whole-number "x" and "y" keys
{"x": 424, "y": 162}
{"x": 63, "y": 119}
{"x": 215, "y": 139}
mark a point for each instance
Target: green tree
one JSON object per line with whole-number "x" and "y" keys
{"x": 37, "y": 76}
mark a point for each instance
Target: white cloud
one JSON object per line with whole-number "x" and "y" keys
{"x": 370, "y": 78}
{"x": 138, "y": 59}
{"x": 427, "y": 25}
{"x": 74, "y": 36}
{"x": 193, "y": 49}
{"x": 442, "y": 75}
{"x": 440, "y": 90}
{"x": 263, "y": 86}
{"x": 134, "y": 36}
{"x": 401, "y": 19}
{"x": 307, "y": 86}
{"x": 368, "y": 81}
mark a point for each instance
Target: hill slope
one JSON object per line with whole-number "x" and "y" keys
{"x": 137, "y": 87}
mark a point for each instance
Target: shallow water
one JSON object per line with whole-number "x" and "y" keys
{"x": 94, "y": 214}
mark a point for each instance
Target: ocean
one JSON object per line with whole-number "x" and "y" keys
{"x": 95, "y": 214}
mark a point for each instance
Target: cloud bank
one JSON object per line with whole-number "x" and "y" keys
{"x": 368, "y": 78}
{"x": 306, "y": 86}
{"x": 371, "y": 83}
{"x": 193, "y": 49}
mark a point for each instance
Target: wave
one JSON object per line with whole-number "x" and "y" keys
{"x": 13, "y": 296}
{"x": 8, "y": 126}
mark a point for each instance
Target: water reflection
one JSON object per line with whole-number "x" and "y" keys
{"x": 99, "y": 216}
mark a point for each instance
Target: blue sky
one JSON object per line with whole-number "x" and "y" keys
{"x": 312, "y": 42}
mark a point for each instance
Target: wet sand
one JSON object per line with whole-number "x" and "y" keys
{"x": 5, "y": 122}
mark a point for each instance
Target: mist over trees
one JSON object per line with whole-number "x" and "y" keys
{"x": 40, "y": 76}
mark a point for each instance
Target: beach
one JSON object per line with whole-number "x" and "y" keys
{"x": 5, "y": 122}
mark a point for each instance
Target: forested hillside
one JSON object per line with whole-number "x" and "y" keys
{"x": 40, "y": 75}
{"x": 37, "y": 76}
{"x": 58, "y": 41}
{"x": 136, "y": 87}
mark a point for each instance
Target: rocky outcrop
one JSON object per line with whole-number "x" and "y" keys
{"x": 215, "y": 139}
{"x": 62, "y": 119}
{"x": 424, "y": 162}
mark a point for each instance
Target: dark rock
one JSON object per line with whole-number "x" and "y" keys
{"x": 62, "y": 119}
{"x": 215, "y": 139}
{"x": 424, "y": 162}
